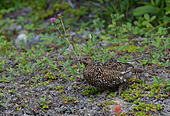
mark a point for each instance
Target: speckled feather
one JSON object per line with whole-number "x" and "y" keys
{"x": 106, "y": 74}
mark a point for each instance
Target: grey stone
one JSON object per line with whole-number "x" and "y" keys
{"x": 69, "y": 87}
{"x": 14, "y": 27}
{"x": 2, "y": 85}
{"x": 27, "y": 9}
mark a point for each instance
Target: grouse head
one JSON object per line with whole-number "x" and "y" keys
{"x": 86, "y": 60}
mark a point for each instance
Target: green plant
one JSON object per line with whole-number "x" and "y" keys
{"x": 114, "y": 7}
{"x": 5, "y": 11}
{"x": 12, "y": 91}
{"x": 168, "y": 88}
{"x": 155, "y": 7}
{"x": 4, "y": 79}
{"x": 156, "y": 80}
{"x": 63, "y": 75}
{"x": 21, "y": 20}
{"x": 159, "y": 107}
{"x": 4, "y": 45}
{"x": 45, "y": 102}
{"x": 66, "y": 100}
{"x": 98, "y": 24}
{"x": 148, "y": 20}
{"x": 1, "y": 94}
{"x": 90, "y": 90}
{"x": 109, "y": 102}
{"x": 73, "y": 71}
{"x": 2, "y": 64}
{"x": 51, "y": 76}
{"x": 157, "y": 42}
{"x": 61, "y": 91}
{"x": 75, "y": 87}
{"x": 89, "y": 48}
{"x": 100, "y": 104}
{"x": 34, "y": 79}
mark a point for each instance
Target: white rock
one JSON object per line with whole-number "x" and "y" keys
{"x": 21, "y": 37}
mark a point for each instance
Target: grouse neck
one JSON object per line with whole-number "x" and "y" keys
{"x": 90, "y": 64}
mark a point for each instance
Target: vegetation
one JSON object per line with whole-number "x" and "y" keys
{"x": 131, "y": 32}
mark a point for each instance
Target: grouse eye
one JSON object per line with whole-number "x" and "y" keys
{"x": 85, "y": 58}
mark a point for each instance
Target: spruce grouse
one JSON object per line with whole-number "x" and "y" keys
{"x": 106, "y": 74}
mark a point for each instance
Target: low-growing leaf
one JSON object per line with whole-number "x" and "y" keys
{"x": 156, "y": 80}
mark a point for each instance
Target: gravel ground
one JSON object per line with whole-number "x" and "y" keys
{"x": 26, "y": 101}
{"x": 31, "y": 97}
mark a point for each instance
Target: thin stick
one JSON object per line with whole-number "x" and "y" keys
{"x": 73, "y": 49}
{"x": 68, "y": 42}
{"x": 58, "y": 29}
{"x": 63, "y": 26}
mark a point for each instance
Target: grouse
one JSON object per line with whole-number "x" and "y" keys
{"x": 106, "y": 74}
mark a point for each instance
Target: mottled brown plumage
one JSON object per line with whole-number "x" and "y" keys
{"x": 106, "y": 74}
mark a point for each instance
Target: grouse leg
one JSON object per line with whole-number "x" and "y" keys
{"x": 120, "y": 88}
{"x": 105, "y": 92}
